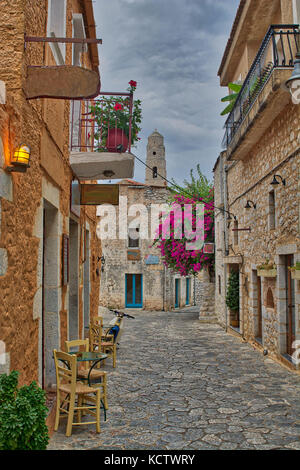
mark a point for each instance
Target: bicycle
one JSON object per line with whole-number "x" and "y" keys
{"x": 117, "y": 324}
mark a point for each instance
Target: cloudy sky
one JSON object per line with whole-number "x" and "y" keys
{"x": 173, "y": 49}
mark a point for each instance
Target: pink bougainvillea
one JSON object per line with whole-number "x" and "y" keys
{"x": 174, "y": 251}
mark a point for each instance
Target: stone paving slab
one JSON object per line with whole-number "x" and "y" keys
{"x": 183, "y": 385}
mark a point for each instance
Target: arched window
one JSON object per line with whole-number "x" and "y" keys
{"x": 270, "y": 298}
{"x": 154, "y": 172}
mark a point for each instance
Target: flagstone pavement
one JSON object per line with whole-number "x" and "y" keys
{"x": 183, "y": 385}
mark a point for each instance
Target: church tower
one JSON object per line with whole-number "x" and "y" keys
{"x": 156, "y": 160}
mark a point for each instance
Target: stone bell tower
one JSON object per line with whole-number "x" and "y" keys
{"x": 156, "y": 160}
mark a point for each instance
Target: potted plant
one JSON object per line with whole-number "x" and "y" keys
{"x": 112, "y": 115}
{"x": 233, "y": 297}
{"x": 267, "y": 269}
{"x": 236, "y": 88}
{"x": 23, "y": 414}
{"x": 295, "y": 271}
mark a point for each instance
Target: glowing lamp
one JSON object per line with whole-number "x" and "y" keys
{"x": 20, "y": 159}
{"x": 21, "y": 155}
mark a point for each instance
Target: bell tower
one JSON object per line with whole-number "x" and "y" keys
{"x": 156, "y": 160}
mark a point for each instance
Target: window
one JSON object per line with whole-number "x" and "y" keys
{"x": 133, "y": 237}
{"x": 296, "y": 11}
{"x": 236, "y": 233}
{"x": 154, "y": 170}
{"x": 78, "y": 32}
{"x": 270, "y": 298}
{"x": 272, "y": 210}
{"x": 57, "y": 28}
{"x": 220, "y": 285}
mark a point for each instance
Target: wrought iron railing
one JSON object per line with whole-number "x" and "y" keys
{"x": 277, "y": 50}
{"x": 103, "y": 124}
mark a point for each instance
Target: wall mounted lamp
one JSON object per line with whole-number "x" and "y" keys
{"x": 275, "y": 182}
{"x": 102, "y": 259}
{"x": 229, "y": 218}
{"x": 250, "y": 204}
{"x": 293, "y": 83}
{"x": 20, "y": 160}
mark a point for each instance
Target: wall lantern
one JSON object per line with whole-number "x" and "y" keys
{"x": 250, "y": 204}
{"x": 20, "y": 160}
{"x": 102, "y": 259}
{"x": 229, "y": 218}
{"x": 293, "y": 83}
{"x": 275, "y": 182}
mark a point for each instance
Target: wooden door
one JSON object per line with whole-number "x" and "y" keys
{"x": 259, "y": 309}
{"x": 290, "y": 307}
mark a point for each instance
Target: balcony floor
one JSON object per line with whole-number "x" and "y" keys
{"x": 93, "y": 165}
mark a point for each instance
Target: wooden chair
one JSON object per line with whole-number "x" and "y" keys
{"x": 68, "y": 389}
{"x": 96, "y": 374}
{"x": 103, "y": 341}
{"x": 109, "y": 341}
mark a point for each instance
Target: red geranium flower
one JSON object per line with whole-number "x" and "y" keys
{"x": 133, "y": 83}
{"x": 118, "y": 106}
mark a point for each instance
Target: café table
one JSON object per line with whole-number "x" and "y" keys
{"x": 94, "y": 357}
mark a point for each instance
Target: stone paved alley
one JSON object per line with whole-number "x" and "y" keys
{"x": 184, "y": 385}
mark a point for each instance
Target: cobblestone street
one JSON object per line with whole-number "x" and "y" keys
{"x": 184, "y": 385}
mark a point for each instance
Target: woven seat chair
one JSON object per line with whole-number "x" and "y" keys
{"x": 104, "y": 341}
{"x": 67, "y": 389}
{"x": 83, "y": 373}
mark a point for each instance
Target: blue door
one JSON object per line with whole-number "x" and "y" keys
{"x": 187, "y": 302}
{"x": 177, "y": 293}
{"x": 134, "y": 290}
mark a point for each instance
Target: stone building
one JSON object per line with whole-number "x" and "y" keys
{"x": 257, "y": 181}
{"x": 48, "y": 247}
{"x": 134, "y": 275}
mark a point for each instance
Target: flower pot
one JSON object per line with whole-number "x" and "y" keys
{"x": 234, "y": 319}
{"x": 267, "y": 272}
{"x": 295, "y": 273}
{"x": 117, "y": 141}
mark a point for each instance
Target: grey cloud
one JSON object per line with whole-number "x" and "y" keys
{"x": 172, "y": 48}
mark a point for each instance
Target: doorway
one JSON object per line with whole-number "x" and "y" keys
{"x": 134, "y": 290}
{"x": 290, "y": 306}
{"x": 73, "y": 281}
{"x": 187, "y": 300}
{"x": 86, "y": 283}
{"x": 50, "y": 292}
{"x": 177, "y": 292}
{"x": 259, "y": 332}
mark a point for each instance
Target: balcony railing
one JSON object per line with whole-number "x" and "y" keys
{"x": 102, "y": 125}
{"x": 278, "y": 50}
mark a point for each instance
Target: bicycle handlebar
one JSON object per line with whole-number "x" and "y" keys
{"x": 121, "y": 314}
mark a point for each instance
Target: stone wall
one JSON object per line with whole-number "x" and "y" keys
{"x": 158, "y": 281}
{"x": 44, "y": 125}
{"x": 220, "y": 241}
{"x": 205, "y": 297}
{"x": 277, "y": 152}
